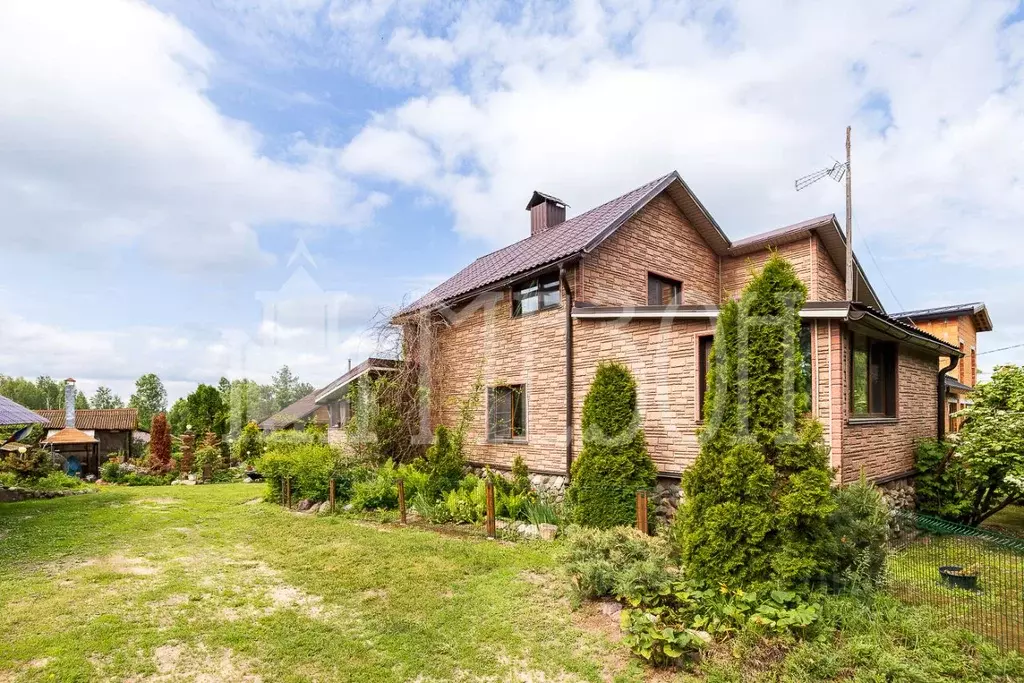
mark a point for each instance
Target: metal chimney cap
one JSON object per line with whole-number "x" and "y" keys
{"x": 69, "y": 380}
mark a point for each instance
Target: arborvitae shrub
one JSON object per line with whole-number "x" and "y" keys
{"x": 614, "y": 462}
{"x": 250, "y": 443}
{"x": 444, "y": 464}
{"x": 757, "y": 499}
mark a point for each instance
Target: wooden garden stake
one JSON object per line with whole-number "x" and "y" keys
{"x": 401, "y": 500}
{"x": 491, "y": 531}
{"x": 641, "y": 511}
{"x": 330, "y": 496}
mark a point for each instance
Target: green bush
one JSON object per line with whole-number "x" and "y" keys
{"x": 309, "y": 464}
{"x": 443, "y": 463}
{"x": 600, "y": 561}
{"x": 58, "y": 481}
{"x": 142, "y": 479}
{"x": 8, "y": 479}
{"x": 249, "y": 446}
{"x": 758, "y": 499}
{"x": 110, "y": 472}
{"x": 415, "y": 480}
{"x": 34, "y": 464}
{"x": 860, "y": 529}
{"x": 614, "y": 462}
{"x": 378, "y": 492}
{"x": 941, "y": 485}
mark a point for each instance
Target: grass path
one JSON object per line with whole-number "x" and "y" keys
{"x": 201, "y": 583}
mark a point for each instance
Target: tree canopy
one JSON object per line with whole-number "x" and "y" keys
{"x": 149, "y": 398}
{"x": 105, "y": 399}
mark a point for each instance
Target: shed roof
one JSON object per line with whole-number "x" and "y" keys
{"x": 978, "y": 310}
{"x": 12, "y": 413}
{"x": 583, "y": 233}
{"x": 112, "y": 419}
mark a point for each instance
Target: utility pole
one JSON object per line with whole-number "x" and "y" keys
{"x": 851, "y": 288}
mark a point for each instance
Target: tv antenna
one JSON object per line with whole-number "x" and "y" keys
{"x": 837, "y": 172}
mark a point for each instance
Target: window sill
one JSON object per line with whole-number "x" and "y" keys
{"x": 853, "y": 421}
{"x": 530, "y": 314}
{"x": 519, "y": 441}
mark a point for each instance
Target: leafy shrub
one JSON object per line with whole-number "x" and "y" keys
{"x": 58, "y": 481}
{"x": 378, "y": 491}
{"x": 860, "y": 527}
{"x": 208, "y": 458}
{"x": 310, "y": 466}
{"x": 143, "y": 479}
{"x": 614, "y": 462}
{"x": 415, "y": 480}
{"x": 443, "y": 463}
{"x": 8, "y": 479}
{"x": 511, "y": 505}
{"x": 110, "y": 472}
{"x": 667, "y": 621}
{"x": 758, "y": 499}
{"x": 596, "y": 559}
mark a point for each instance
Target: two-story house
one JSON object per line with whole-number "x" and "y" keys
{"x": 639, "y": 280}
{"x": 958, "y": 326}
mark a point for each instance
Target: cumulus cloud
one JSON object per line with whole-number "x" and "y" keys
{"x": 110, "y": 139}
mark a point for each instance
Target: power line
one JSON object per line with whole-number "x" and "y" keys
{"x": 881, "y": 273}
{"x": 1005, "y": 348}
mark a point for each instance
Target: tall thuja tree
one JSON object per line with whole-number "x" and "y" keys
{"x": 614, "y": 462}
{"x": 160, "y": 444}
{"x": 758, "y": 497}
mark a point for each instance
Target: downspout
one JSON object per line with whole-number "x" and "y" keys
{"x": 568, "y": 370}
{"x": 941, "y": 431}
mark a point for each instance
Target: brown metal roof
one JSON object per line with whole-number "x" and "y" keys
{"x": 112, "y": 419}
{"x": 69, "y": 436}
{"x": 585, "y": 232}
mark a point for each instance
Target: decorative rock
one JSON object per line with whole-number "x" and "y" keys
{"x": 304, "y": 505}
{"x": 547, "y": 531}
{"x": 610, "y": 608}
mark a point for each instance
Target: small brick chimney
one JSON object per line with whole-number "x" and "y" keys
{"x": 545, "y": 212}
{"x": 69, "y": 402}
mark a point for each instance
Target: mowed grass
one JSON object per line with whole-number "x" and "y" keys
{"x": 1009, "y": 520}
{"x": 205, "y": 583}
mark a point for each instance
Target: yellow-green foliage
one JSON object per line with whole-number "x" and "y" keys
{"x": 309, "y": 465}
{"x": 614, "y": 462}
{"x": 757, "y": 500}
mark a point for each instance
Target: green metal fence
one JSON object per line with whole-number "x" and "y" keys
{"x": 973, "y": 576}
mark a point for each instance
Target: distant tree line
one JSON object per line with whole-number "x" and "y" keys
{"x": 223, "y": 409}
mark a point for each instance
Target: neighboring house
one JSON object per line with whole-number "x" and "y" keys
{"x": 639, "y": 280}
{"x": 958, "y": 326}
{"x": 329, "y": 404}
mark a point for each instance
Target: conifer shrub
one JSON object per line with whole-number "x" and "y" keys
{"x": 444, "y": 464}
{"x": 614, "y": 462}
{"x": 160, "y": 444}
{"x": 249, "y": 447}
{"x": 758, "y": 499}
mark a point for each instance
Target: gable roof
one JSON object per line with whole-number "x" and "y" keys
{"x": 583, "y": 233}
{"x": 308, "y": 404}
{"x": 291, "y": 414}
{"x": 977, "y": 310}
{"x": 113, "y": 419}
{"x": 12, "y": 413}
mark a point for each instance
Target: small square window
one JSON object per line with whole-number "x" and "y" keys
{"x": 662, "y": 291}
{"x": 506, "y": 413}
{"x": 536, "y": 295}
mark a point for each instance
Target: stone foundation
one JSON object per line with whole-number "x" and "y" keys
{"x": 899, "y": 494}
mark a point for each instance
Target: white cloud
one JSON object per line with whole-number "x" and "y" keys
{"x": 110, "y": 139}
{"x": 586, "y": 101}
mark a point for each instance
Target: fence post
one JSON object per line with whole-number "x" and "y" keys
{"x": 641, "y": 511}
{"x": 401, "y": 499}
{"x": 491, "y": 530}
{"x": 330, "y": 497}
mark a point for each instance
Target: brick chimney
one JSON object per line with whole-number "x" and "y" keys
{"x": 69, "y": 402}
{"x": 545, "y": 212}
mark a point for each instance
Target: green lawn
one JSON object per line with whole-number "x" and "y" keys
{"x": 1009, "y": 520}
{"x": 182, "y": 583}
{"x": 208, "y": 584}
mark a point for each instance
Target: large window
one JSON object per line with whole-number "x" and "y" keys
{"x": 872, "y": 377}
{"x": 506, "y": 413}
{"x": 661, "y": 291}
{"x": 536, "y": 295}
{"x": 804, "y": 383}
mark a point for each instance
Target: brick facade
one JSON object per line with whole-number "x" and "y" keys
{"x": 482, "y": 341}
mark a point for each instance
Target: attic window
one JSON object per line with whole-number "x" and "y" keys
{"x": 536, "y": 295}
{"x": 663, "y": 291}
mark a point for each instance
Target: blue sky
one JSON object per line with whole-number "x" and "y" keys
{"x": 161, "y": 162}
